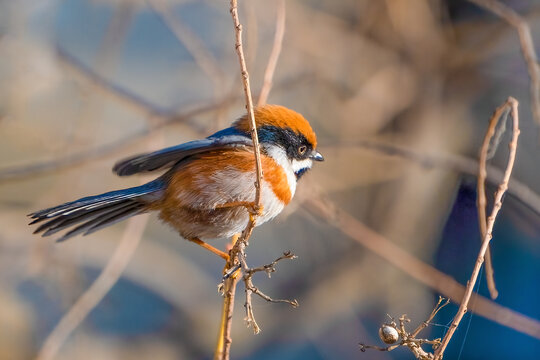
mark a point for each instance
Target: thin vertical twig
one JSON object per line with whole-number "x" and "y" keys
{"x": 513, "y": 105}
{"x": 229, "y": 290}
{"x": 249, "y": 108}
{"x": 529, "y": 54}
{"x": 274, "y": 55}
{"x": 224, "y": 343}
{"x": 481, "y": 199}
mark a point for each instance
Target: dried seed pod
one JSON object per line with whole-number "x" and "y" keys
{"x": 388, "y": 334}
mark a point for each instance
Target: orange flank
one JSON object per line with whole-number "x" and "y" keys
{"x": 275, "y": 176}
{"x": 241, "y": 160}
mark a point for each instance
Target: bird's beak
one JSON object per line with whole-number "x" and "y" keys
{"x": 315, "y": 155}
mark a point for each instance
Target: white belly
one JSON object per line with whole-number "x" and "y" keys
{"x": 200, "y": 221}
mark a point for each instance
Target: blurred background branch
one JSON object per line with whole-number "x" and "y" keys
{"x": 429, "y": 276}
{"x": 397, "y": 93}
{"x": 507, "y": 14}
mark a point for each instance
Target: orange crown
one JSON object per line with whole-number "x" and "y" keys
{"x": 280, "y": 117}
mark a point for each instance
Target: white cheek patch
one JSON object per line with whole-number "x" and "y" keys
{"x": 298, "y": 165}
{"x": 278, "y": 154}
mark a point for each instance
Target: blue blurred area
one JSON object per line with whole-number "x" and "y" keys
{"x": 517, "y": 265}
{"x": 80, "y": 29}
{"x": 130, "y": 309}
{"x": 287, "y": 351}
{"x": 80, "y": 25}
{"x": 127, "y": 310}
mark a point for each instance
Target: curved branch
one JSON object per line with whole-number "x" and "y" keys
{"x": 487, "y": 235}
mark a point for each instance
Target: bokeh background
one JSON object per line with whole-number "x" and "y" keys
{"x": 87, "y": 82}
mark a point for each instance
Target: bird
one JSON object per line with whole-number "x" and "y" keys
{"x": 208, "y": 186}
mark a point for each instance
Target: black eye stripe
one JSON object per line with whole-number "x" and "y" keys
{"x": 286, "y": 138}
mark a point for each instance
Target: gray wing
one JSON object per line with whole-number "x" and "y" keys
{"x": 167, "y": 157}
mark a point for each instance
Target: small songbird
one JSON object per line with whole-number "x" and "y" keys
{"x": 204, "y": 192}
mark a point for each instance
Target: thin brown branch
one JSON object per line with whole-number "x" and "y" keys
{"x": 270, "y": 268}
{"x": 249, "y": 107}
{"x": 224, "y": 336}
{"x": 228, "y": 289}
{"x": 250, "y": 288}
{"x": 97, "y": 291}
{"x": 274, "y": 55}
{"x": 440, "y": 304}
{"x": 485, "y": 151}
{"x": 513, "y": 104}
{"x": 326, "y": 210}
{"x": 529, "y": 54}
{"x": 224, "y": 343}
{"x": 527, "y": 47}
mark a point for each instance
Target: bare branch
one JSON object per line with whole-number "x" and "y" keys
{"x": 250, "y": 288}
{"x": 513, "y": 104}
{"x": 224, "y": 342}
{"x": 249, "y": 106}
{"x": 440, "y": 304}
{"x": 228, "y": 289}
{"x": 485, "y": 151}
{"x": 270, "y": 268}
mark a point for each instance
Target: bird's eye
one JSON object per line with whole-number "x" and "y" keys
{"x": 302, "y": 149}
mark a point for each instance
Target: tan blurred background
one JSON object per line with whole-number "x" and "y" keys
{"x": 87, "y": 82}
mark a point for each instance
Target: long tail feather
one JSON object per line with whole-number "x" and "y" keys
{"x": 93, "y": 213}
{"x": 104, "y": 220}
{"x": 76, "y": 218}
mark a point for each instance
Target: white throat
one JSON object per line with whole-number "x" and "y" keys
{"x": 301, "y": 165}
{"x": 291, "y": 167}
{"x": 280, "y": 156}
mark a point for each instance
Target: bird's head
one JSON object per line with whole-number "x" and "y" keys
{"x": 285, "y": 135}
